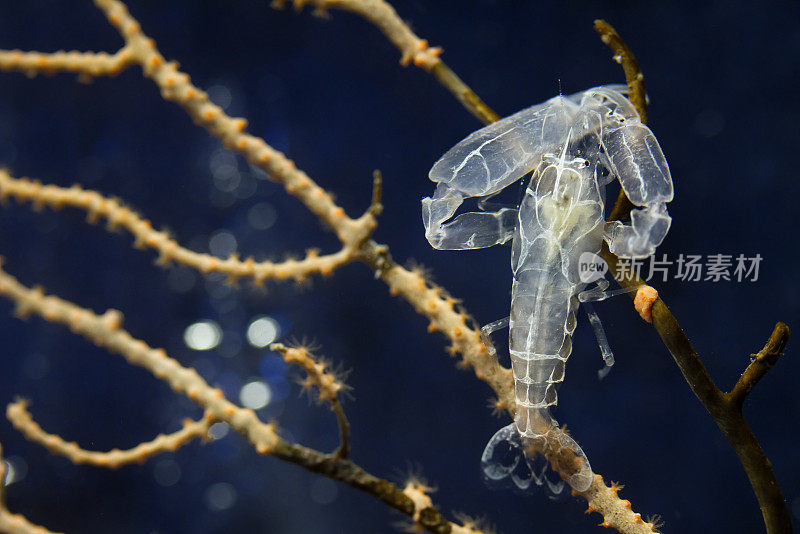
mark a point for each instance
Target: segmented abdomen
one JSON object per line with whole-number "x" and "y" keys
{"x": 541, "y": 325}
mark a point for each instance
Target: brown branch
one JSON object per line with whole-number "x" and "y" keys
{"x": 726, "y": 409}
{"x": 636, "y": 94}
{"x": 633, "y": 74}
{"x": 727, "y": 412}
{"x": 345, "y": 470}
{"x": 760, "y": 364}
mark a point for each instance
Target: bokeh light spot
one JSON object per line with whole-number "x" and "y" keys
{"x": 262, "y": 331}
{"x": 167, "y": 472}
{"x": 202, "y": 335}
{"x": 220, "y": 496}
{"x": 255, "y": 395}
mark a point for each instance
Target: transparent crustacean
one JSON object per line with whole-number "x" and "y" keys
{"x": 573, "y": 146}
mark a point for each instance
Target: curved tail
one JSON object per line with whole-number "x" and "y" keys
{"x": 524, "y": 460}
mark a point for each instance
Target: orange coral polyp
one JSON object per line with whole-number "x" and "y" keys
{"x": 645, "y": 298}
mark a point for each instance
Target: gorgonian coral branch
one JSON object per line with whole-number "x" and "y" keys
{"x": 118, "y": 215}
{"x": 760, "y": 364}
{"x": 86, "y": 64}
{"x": 430, "y": 301}
{"x": 17, "y": 412}
{"x": 636, "y": 93}
{"x": 412, "y": 48}
{"x": 726, "y": 408}
{"x": 624, "y": 56}
{"x": 106, "y": 331}
{"x": 325, "y": 382}
{"x": 176, "y": 86}
{"x": 447, "y": 317}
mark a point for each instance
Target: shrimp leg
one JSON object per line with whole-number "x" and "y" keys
{"x": 489, "y": 329}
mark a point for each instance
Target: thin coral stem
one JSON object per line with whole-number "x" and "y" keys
{"x": 725, "y": 408}
{"x": 17, "y": 412}
{"x": 327, "y": 385}
{"x": 85, "y": 64}
{"x": 728, "y": 416}
{"x": 428, "y": 300}
{"x": 118, "y": 215}
{"x": 106, "y": 331}
{"x": 624, "y": 56}
{"x": 760, "y": 364}
{"x": 636, "y": 93}
{"x": 177, "y": 87}
{"x": 413, "y": 49}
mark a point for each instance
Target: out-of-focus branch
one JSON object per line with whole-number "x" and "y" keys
{"x": 118, "y": 215}
{"x": 17, "y": 412}
{"x": 431, "y": 301}
{"x": 176, "y": 86}
{"x": 412, "y": 49}
{"x": 726, "y": 408}
{"x": 86, "y": 64}
{"x": 106, "y": 331}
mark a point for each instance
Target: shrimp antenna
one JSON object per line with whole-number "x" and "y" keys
{"x": 566, "y": 145}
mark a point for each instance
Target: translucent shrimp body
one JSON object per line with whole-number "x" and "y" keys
{"x": 574, "y": 147}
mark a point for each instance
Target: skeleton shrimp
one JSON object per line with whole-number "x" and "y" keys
{"x": 573, "y": 146}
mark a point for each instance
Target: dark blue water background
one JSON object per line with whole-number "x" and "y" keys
{"x": 723, "y": 79}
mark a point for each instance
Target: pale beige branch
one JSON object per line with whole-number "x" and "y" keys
{"x": 118, "y": 215}
{"x": 412, "y": 48}
{"x": 385, "y": 18}
{"x": 429, "y": 300}
{"x": 176, "y": 86}
{"x": 85, "y": 64}
{"x": 325, "y": 382}
{"x": 446, "y": 316}
{"x": 106, "y": 331}
{"x": 616, "y": 512}
{"x": 17, "y": 412}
